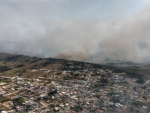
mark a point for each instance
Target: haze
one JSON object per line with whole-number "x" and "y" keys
{"x": 83, "y": 30}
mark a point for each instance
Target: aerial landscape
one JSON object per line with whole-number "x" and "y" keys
{"x": 47, "y": 85}
{"x": 74, "y": 56}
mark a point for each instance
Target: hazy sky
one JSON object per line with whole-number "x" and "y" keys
{"x": 85, "y": 30}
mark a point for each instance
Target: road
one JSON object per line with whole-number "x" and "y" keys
{"x": 87, "y": 80}
{"x": 5, "y": 106}
{"x": 142, "y": 94}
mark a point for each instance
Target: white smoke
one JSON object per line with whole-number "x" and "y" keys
{"x": 77, "y": 38}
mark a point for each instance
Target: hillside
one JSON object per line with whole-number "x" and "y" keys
{"x": 26, "y": 66}
{"x": 132, "y": 67}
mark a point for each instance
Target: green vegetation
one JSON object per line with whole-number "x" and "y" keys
{"x": 12, "y": 58}
{"x": 20, "y": 65}
{"x": 103, "y": 80}
{"x": 101, "y": 83}
{"x": 52, "y": 92}
{"x": 110, "y": 111}
{"x": 138, "y": 103}
{"x": 53, "y": 100}
{"x": 140, "y": 80}
{"x": 97, "y": 95}
{"x": 4, "y": 68}
{"x": 5, "y": 80}
{"x": 19, "y": 101}
{"x": 21, "y": 72}
{"x": 77, "y": 108}
{"x": 46, "y": 63}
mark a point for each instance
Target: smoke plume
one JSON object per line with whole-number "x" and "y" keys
{"x": 79, "y": 39}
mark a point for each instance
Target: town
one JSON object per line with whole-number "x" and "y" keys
{"x": 75, "y": 89}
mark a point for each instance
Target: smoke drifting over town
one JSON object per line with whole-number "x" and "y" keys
{"x": 34, "y": 30}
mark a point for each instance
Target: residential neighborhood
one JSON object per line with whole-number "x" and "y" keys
{"x": 75, "y": 89}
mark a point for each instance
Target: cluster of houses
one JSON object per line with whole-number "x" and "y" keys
{"x": 80, "y": 90}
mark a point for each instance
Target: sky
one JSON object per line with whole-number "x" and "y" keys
{"x": 82, "y": 30}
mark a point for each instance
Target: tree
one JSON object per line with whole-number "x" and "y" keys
{"x": 140, "y": 80}
{"x": 19, "y": 101}
{"x": 4, "y": 68}
{"x": 77, "y": 108}
{"x": 103, "y": 80}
